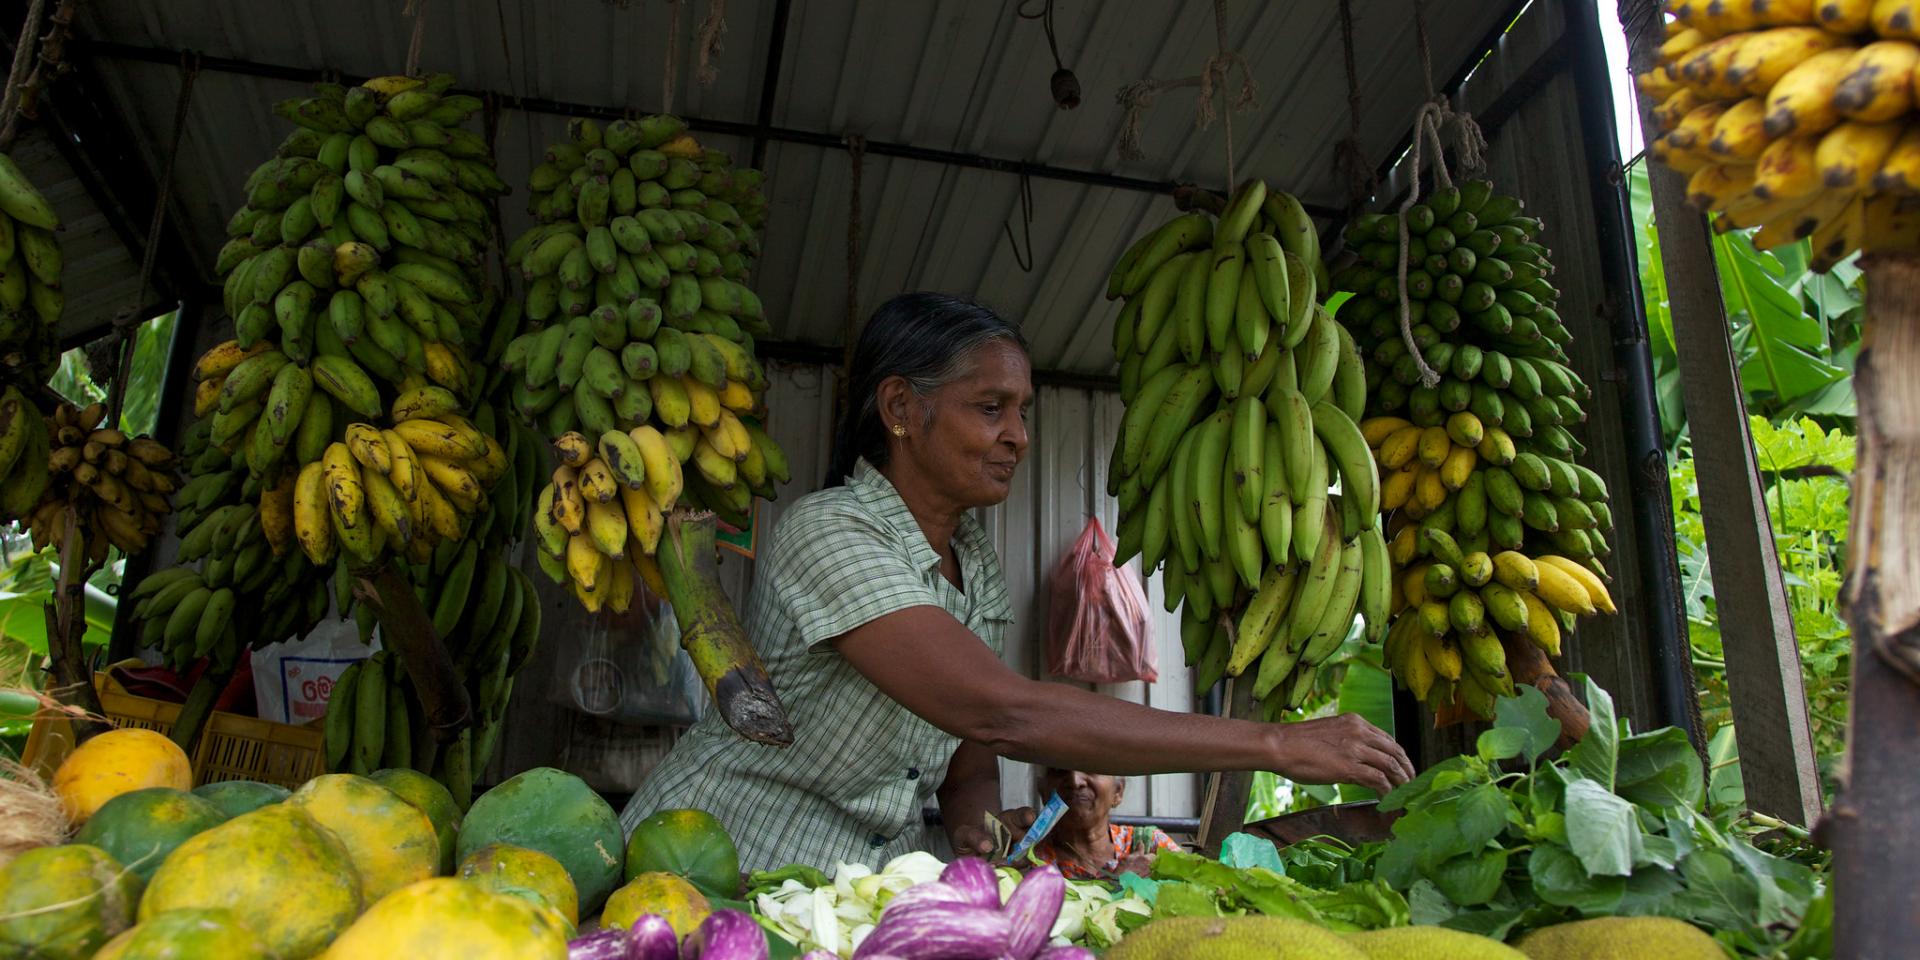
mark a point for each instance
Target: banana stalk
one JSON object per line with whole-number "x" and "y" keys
{"x": 712, "y": 635}
{"x": 408, "y": 632}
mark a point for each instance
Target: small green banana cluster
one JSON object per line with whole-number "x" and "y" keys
{"x": 1478, "y": 465}
{"x": 488, "y": 615}
{"x": 31, "y": 300}
{"x": 645, "y": 358}
{"x": 227, "y": 530}
{"x": 1242, "y": 395}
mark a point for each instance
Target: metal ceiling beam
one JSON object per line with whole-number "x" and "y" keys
{"x": 748, "y": 131}
{"x": 821, "y": 355}
{"x": 770, "y": 78}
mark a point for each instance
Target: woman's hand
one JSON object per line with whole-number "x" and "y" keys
{"x": 1342, "y": 749}
{"x": 975, "y": 840}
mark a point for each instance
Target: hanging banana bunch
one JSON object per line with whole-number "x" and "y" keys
{"x": 30, "y": 264}
{"x": 71, "y": 467}
{"x": 1495, "y": 533}
{"x": 1242, "y": 396}
{"x": 642, "y": 373}
{"x": 1796, "y": 118}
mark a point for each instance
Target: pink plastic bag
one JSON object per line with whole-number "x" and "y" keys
{"x": 1097, "y": 627}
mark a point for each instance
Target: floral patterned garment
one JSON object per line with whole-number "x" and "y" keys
{"x": 1127, "y": 842}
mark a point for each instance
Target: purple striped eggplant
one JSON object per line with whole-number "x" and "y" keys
{"x": 725, "y": 935}
{"x": 931, "y": 930}
{"x": 1032, "y": 909}
{"x": 975, "y": 880}
{"x": 653, "y": 939}
{"x": 611, "y": 943}
{"x": 931, "y": 892}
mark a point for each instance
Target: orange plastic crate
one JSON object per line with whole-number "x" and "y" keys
{"x": 231, "y": 747}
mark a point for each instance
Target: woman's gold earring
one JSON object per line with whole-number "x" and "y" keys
{"x": 899, "y": 431}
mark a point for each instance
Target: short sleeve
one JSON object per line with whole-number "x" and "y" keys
{"x": 837, "y": 570}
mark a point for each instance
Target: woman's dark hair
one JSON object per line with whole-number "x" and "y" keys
{"x": 926, "y": 338}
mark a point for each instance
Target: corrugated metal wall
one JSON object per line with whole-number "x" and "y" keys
{"x": 1062, "y": 483}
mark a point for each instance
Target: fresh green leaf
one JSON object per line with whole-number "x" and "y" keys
{"x": 1660, "y": 769}
{"x": 1558, "y": 878}
{"x": 1493, "y": 924}
{"x": 1480, "y": 815}
{"x": 1427, "y": 905}
{"x": 1501, "y": 743}
{"x": 1601, "y": 829}
{"x": 1718, "y": 893}
{"x": 1784, "y": 888}
{"x": 1247, "y": 850}
{"x": 1420, "y": 784}
{"x": 1528, "y": 712}
{"x": 1471, "y": 879}
{"x": 1649, "y": 892}
{"x": 1185, "y": 900}
{"x": 1596, "y": 755}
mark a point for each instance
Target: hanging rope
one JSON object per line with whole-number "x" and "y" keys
{"x": 128, "y": 323}
{"x": 26, "y": 78}
{"x": 1348, "y": 154}
{"x": 1026, "y": 226}
{"x": 1134, "y": 98}
{"x": 1435, "y": 119}
{"x": 707, "y": 40}
{"x": 671, "y": 69}
{"x": 417, "y": 9}
{"x": 1064, "y": 86}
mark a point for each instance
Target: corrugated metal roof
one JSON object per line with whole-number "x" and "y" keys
{"x": 100, "y": 275}
{"x": 957, "y": 75}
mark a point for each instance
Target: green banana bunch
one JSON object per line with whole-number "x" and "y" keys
{"x": 31, "y": 299}
{"x": 641, "y": 369}
{"x": 1479, "y": 478}
{"x": 1242, "y": 398}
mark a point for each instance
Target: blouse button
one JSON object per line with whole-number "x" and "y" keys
{"x": 877, "y": 840}
{"x": 913, "y": 773}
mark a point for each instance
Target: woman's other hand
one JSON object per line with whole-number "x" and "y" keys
{"x": 1340, "y": 749}
{"x": 975, "y": 840}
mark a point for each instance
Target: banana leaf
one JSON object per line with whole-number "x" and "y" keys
{"x": 1782, "y": 348}
{"x": 26, "y": 588}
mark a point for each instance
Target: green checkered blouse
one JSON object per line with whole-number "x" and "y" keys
{"x": 851, "y": 787}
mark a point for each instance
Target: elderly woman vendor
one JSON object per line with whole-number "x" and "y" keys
{"x": 880, "y": 611}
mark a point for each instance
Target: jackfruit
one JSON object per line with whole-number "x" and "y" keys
{"x": 1233, "y": 938}
{"x": 1430, "y": 943}
{"x": 1606, "y": 938}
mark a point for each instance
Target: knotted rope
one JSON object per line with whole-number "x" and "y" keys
{"x": 417, "y": 9}
{"x": 1134, "y": 98}
{"x": 671, "y": 70}
{"x": 707, "y": 41}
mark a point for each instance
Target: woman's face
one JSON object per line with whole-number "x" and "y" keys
{"x": 1089, "y": 796}
{"x": 978, "y": 430}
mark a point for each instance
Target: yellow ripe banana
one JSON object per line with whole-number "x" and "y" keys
{"x": 645, "y": 522}
{"x": 1740, "y": 134}
{"x": 1413, "y": 585}
{"x": 403, "y": 468}
{"x": 436, "y": 511}
{"x": 1840, "y": 236}
{"x": 1590, "y": 581}
{"x": 312, "y": 525}
{"x": 573, "y": 448}
{"x": 1434, "y": 446}
{"x": 1397, "y": 488}
{"x": 489, "y": 467}
{"x": 1705, "y": 68}
{"x": 1441, "y": 652}
{"x": 1787, "y": 169}
{"x": 1767, "y": 55}
{"x": 455, "y": 482}
{"x": 742, "y": 440}
{"x": 1561, "y": 591}
{"x": 703, "y": 405}
{"x": 1543, "y": 628}
{"x": 1718, "y": 187}
{"x": 1879, "y": 82}
{"x": 367, "y": 446}
{"x": 620, "y": 587}
{"x": 223, "y": 357}
{"x": 1673, "y": 109}
{"x": 664, "y": 477}
{"x": 1851, "y": 153}
{"x": 1515, "y": 571}
{"x": 1843, "y": 17}
{"x": 452, "y": 438}
{"x": 1686, "y": 161}
{"x": 1805, "y": 221}
{"x": 1695, "y": 130}
{"x": 1896, "y": 18}
{"x": 1801, "y": 101}
{"x": 206, "y": 396}
{"x": 1749, "y": 211}
{"x": 584, "y": 563}
{"x": 607, "y": 528}
{"x": 1900, "y": 171}
{"x": 597, "y": 483}
{"x": 722, "y": 442}
{"x": 718, "y": 470}
{"x": 1399, "y": 448}
{"x": 1458, "y": 467}
{"x": 569, "y": 506}
{"x": 1783, "y": 13}
{"x": 344, "y": 490}
{"x": 1678, "y": 45}
{"x": 387, "y": 508}
{"x": 670, "y": 402}
{"x": 737, "y": 397}
{"x": 276, "y": 514}
{"x": 1377, "y": 429}
{"x": 1659, "y": 83}
{"x": 1404, "y": 545}
{"x": 1428, "y": 491}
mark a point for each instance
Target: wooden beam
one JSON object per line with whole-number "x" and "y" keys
{"x": 1756, "y": 628}
{"x": 1223, "y": 809}
{"x": 1874, "y": 828}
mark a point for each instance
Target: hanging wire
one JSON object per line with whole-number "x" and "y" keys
{"x": 1026, "y": 226}
{"x": 1349, "y": 154}
{"x": 671, "y": 69}
{"x": 1045, "y": 16}
{"x": 128, "y": 323}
